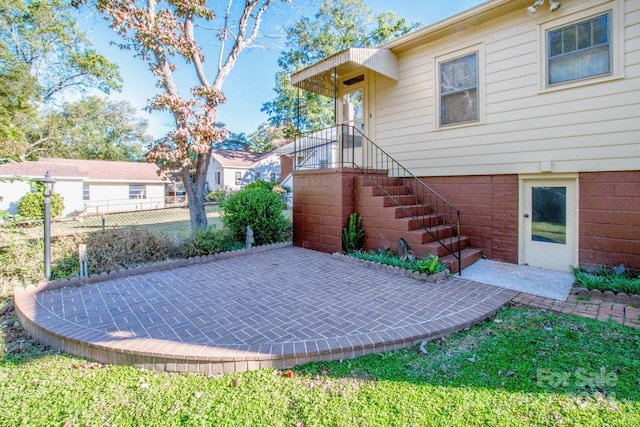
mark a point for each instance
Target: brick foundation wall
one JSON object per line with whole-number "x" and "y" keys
{"x": 609, "y": 213}
{"x": 286, "y": 166}
{"x": 488, "y": 211}
{"x": 323, "y": 201}
{"x": 610, "y": 219}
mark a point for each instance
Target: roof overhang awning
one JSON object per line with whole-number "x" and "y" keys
{"x": 320, "y": 77}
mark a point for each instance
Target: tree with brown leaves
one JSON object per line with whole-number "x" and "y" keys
{"x": 162, "y": 32}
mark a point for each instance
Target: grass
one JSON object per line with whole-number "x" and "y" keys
{"x": 605, "y": 279}
{"x": 526, "y": 367}
{"x": 551, "y": 232}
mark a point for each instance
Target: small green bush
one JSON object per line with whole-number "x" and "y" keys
{"x": 209, "y": 241}
{"x": 217, "y": 196}
{"x": 261, "y": 209}
{"x": 122, "y": 248}
{"x": 31, "y": 205}
{"x": 267, "y": 185}
{"x": 605, "y": 279}
{"x": 353, "y": 234}
{"x": 430, "y": 264}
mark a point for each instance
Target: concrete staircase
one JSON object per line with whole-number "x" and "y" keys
{"x": 387, "y": 217}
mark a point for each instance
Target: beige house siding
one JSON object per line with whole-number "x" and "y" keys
{"x": 524, "y": 127}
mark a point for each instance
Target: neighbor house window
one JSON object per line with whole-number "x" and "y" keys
{"x": 579, "y": 51}
{"x": 86, "y": 194}
{"x": 238, "y": 178}
{"x": 217, "y": 178}
{"x": 137, "y": 191}
{"x": 257, "y": 176}
{"x": 272, "y": 177}
{"x": 459, "y": 90}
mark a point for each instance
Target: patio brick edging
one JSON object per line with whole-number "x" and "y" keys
{"x": 149, "y": 268}
{"x": 429, "y": 278}
{"x": 179, "y": 357}
{"x": 621, "y": 297}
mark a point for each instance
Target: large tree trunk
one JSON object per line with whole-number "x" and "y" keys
{"x": 194, "y": 184}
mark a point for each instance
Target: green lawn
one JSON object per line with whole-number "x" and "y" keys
{"x": 525, "y": 367}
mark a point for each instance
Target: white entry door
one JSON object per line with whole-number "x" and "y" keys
{"x": 549, "y": 224}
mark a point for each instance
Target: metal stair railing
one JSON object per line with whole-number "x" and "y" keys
{"x": 359, "y": 152}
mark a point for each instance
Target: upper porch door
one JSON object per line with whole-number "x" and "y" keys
{"x": 351, "y": 114}
{"x": 549, "y": 224}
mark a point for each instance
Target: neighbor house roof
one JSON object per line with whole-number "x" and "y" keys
{"x": 98, "y": 170}
{"x": 237, "y": 159}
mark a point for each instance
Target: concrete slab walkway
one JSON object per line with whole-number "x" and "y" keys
{"x": 261, "y": 308}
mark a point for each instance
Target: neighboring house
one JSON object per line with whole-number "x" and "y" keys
{"x": 232, "y": 170}
{"x": 87, "y": 186}
{"x": 529, "y": 124}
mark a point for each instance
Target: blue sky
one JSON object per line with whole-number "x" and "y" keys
{"x": 251, "y": 82}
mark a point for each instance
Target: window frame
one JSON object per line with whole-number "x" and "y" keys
{"x": 137, "y": 189}
{"x": 616, "y": 42}
{"x": 86, "y": 191}
{"x": 238, "y": 180}
{"x": 479, "y": 50}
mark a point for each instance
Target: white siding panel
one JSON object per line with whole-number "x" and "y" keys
{"x": 590, "y": 127}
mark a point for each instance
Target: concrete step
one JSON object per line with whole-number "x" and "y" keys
{"x": 374, "y": 190}
{"x": 382, "y": 201}
{"x": 469, "y": 257}
{"x": 381, "y": 179}
{"x": 387, "y": 238}
{"x": 400, "y": 224}
{"x": 450, "y": 242}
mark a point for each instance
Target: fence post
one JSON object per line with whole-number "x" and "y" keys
{"x": 84, "y": 260}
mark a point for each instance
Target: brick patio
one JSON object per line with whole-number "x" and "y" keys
{"x": 268, "y": 309}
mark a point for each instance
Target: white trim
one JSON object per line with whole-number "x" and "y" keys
{"x": 616, "y": 42}
{"x": 479, "y": 49}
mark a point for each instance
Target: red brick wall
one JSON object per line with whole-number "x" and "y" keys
{"x": 488, "y": 211}
{"x": 323, "y": 201}
{"x": 610, "y": 219}
{"x": 286, "y": 166}
{"x": 609, "y": 229}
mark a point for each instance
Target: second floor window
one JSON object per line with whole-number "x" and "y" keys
{"x": 459, "y": 90}
{"x": 238, "y": 178}
{"x": 579, "y": 51}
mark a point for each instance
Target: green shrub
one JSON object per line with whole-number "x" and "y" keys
{"x": 267, "y": 185}
{"x": 122, "y": 248}
{"x": 217, "y": 196}
{"x": 261, "y": 209}
{"x": 430, "y": 264}
{"x": 209, "y": 241}
{"x": 605, "y": 279}
{"x": 22, "y": 258}
{"x": 353, "y": 234}
{"x": 31, "y": 205}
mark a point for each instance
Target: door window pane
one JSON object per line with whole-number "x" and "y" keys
{"x": 549, "y": 214}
